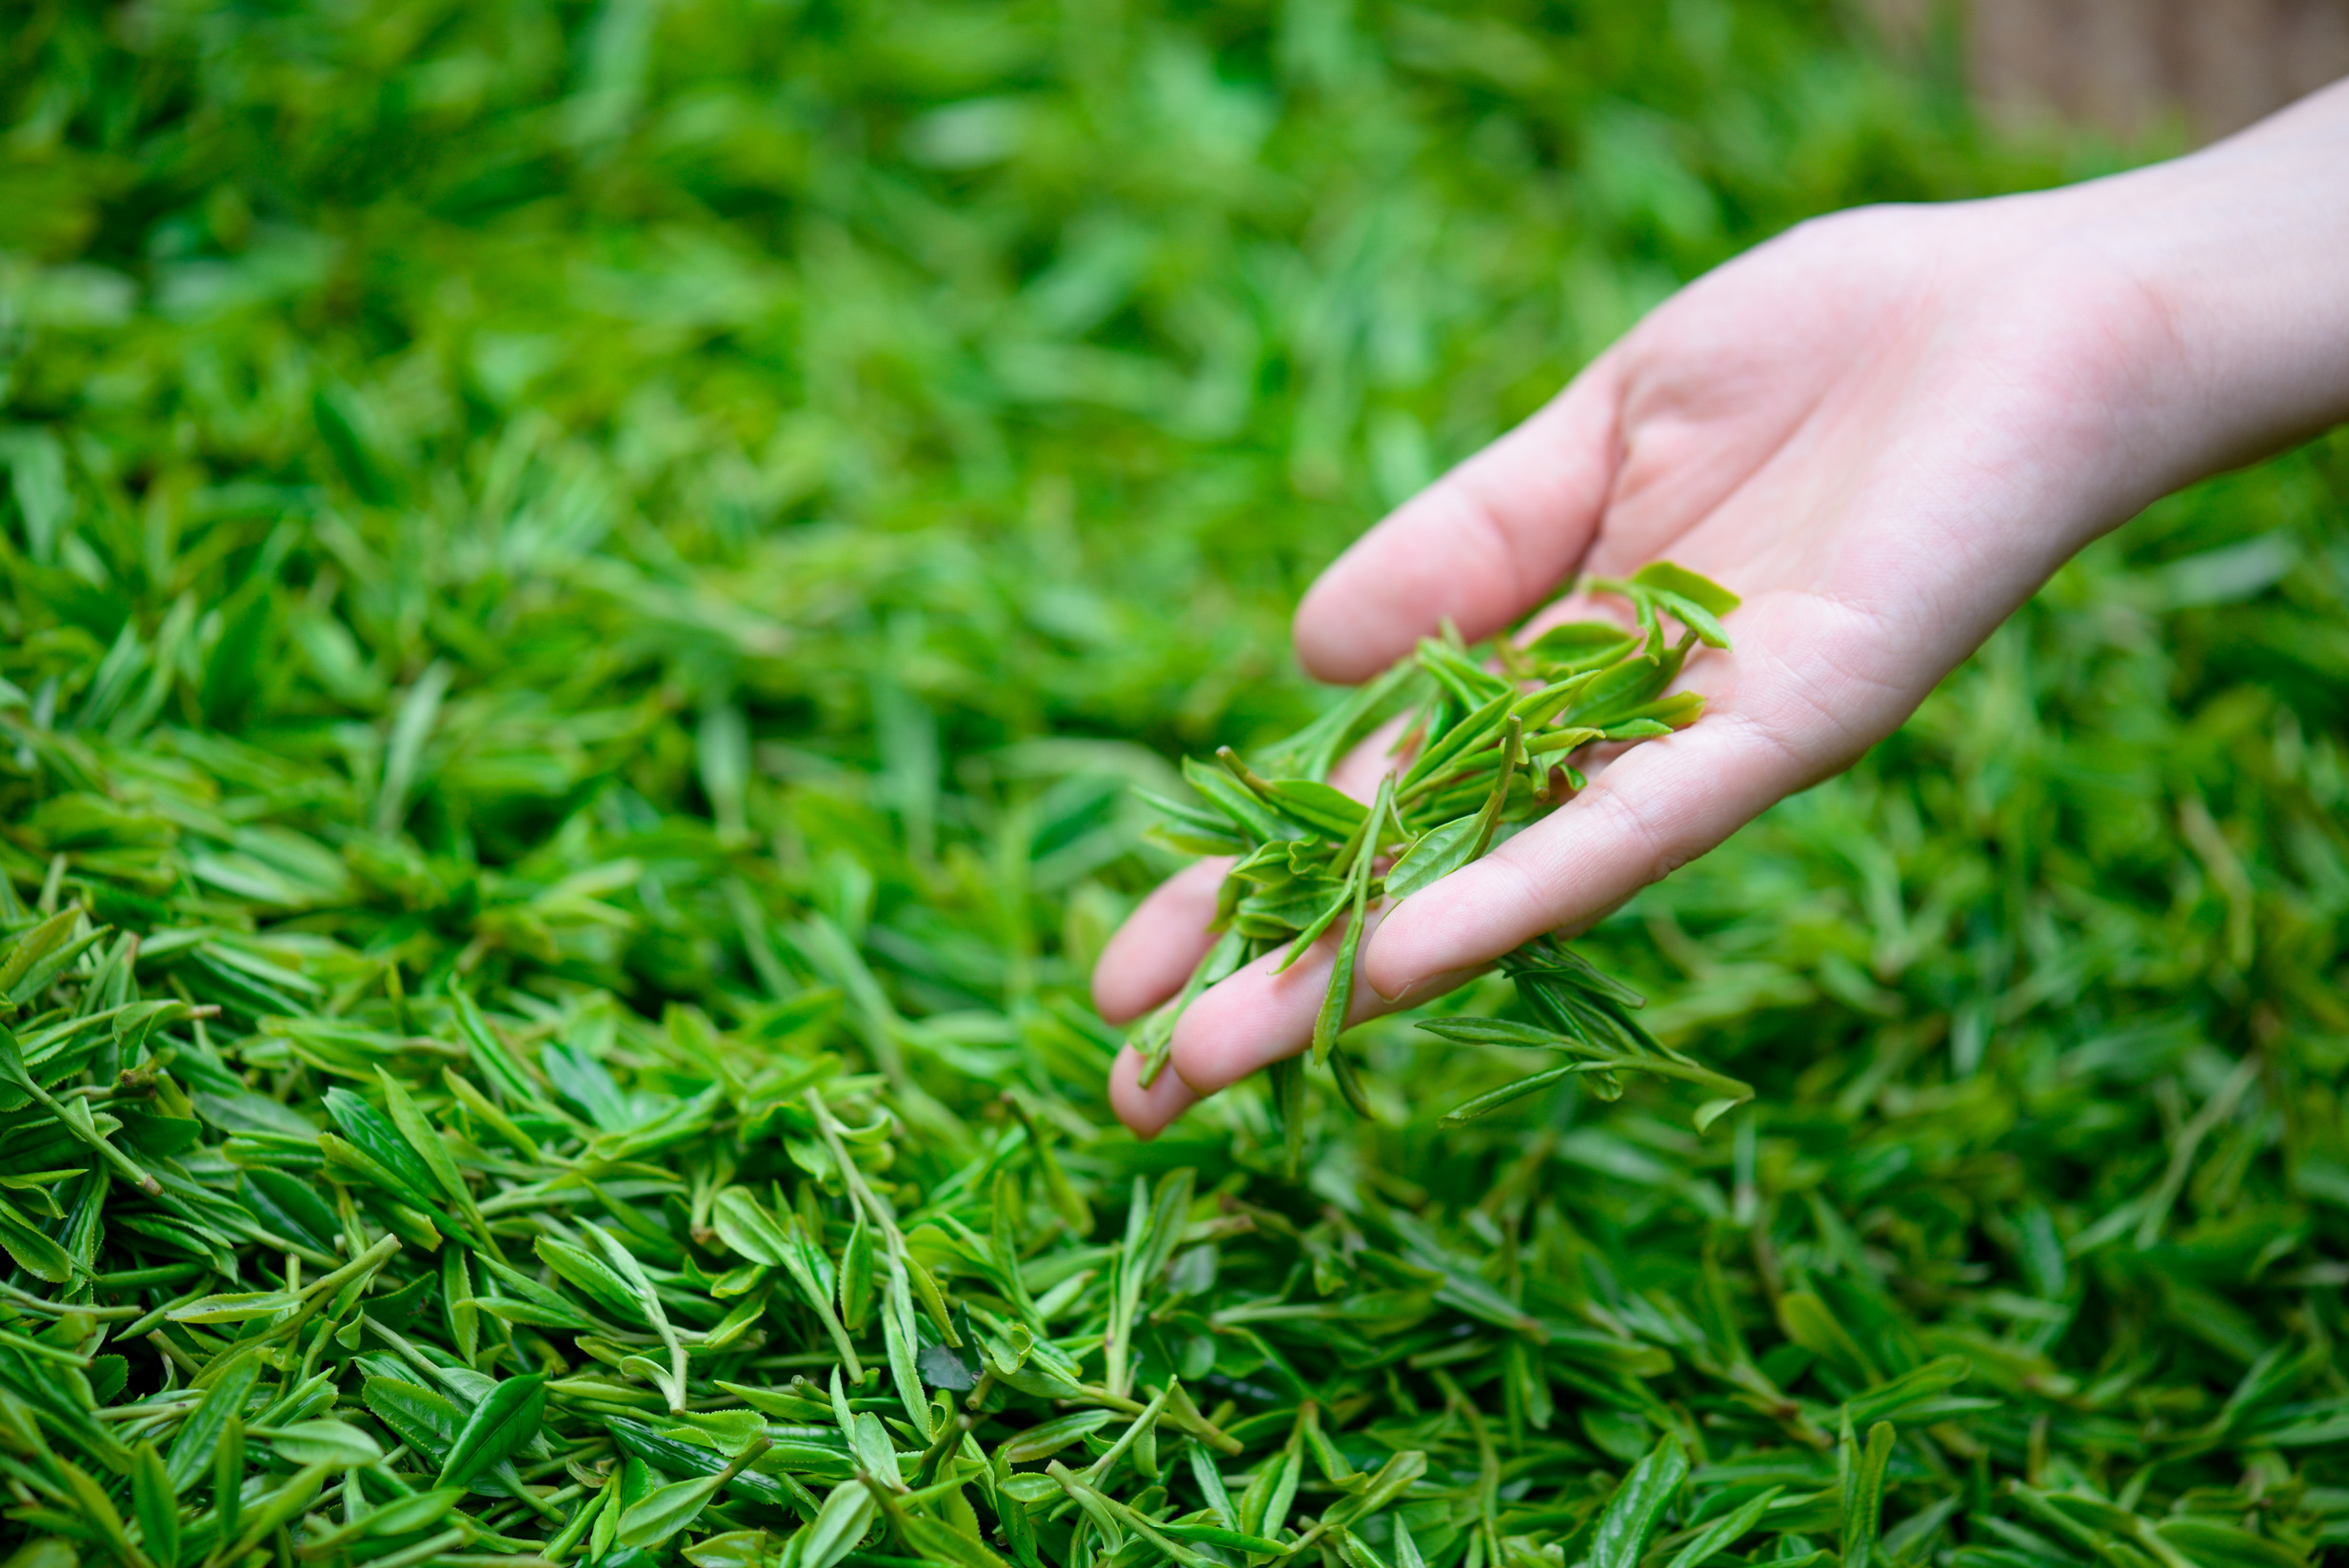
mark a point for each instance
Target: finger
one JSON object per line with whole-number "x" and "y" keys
{"x": 1160, "y": 943}
{"x": 1580, "y": 606}
{"x": 1372, "y": 758}
{"x": 1257, "y": 1017}
{"x": 1154, "y": 952}
{"x": 1775, "y": 726}
{"x": 1480, "y": 545}
{"x": 1146, "y": 1112}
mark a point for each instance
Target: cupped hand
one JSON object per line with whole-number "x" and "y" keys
{"x": 1885, "y": 430}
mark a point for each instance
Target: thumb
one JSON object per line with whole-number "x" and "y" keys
{"x": 1480, "y": 546}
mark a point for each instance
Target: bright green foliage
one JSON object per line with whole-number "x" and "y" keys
{"x": 1483, "y": 748}
{"x": 586, "y": 584}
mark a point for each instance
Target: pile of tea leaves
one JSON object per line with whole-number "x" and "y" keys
{"x": 587, "y": 588}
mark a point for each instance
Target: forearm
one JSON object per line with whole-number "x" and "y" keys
{"x": 2242, "y": 252}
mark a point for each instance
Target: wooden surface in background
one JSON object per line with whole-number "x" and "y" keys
{"x": 2129, "y": 66}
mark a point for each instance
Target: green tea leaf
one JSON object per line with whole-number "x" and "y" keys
{"x": 665, "y": 1510}
{"x": 2224, "y": 1546}
{"x": 1436, "y": 854}
{"x": 199, "y": 1437}
{"x": 155, "y": 1506}
{"x": 1636, "y": 1512}
{"x": 1724, "y": 1532}
{"x": 496, "y": 1428}
{"x": 846, "y": 1514}
{"x": 331, "y": 1442}
{"x": 425, "y": 1421}
{"x": 1864, "y": 1494}
{"x": 1485, "y": 1104}
{"x": 33, "y": 1252}
{"x": 1680, "y": 582}
{"x": 856, "y": 1278}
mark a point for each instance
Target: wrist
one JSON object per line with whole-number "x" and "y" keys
{"x": 2236, "y": 262}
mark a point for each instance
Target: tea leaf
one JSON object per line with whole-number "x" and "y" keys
{"x": 1636, "y": 1512}
{"x": 664, "y": 1511}
{"x": 321, "y": 1442}
{"x": 153, "y": 1505}
{"x": 506, "y": 1418}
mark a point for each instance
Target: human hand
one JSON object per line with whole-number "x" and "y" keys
{"x": 1885, "y": 429}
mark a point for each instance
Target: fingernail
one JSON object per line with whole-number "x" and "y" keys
{"x": 1431, "y": 984}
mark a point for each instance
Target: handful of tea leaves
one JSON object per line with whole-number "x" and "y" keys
{"x": 1481, "y": 751}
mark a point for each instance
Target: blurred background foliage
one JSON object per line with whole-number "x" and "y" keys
{"x": 579, "y": 497}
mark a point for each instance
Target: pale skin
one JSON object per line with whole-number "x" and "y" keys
{"x": 1886, "y": 429}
